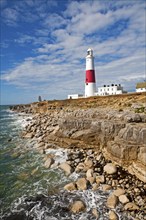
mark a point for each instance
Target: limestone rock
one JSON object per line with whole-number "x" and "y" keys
{"x": 110, "y": 168}
{"x": 89, "y": 173}
{"x": 91, "y": 179}
{"x": 113, "y": 215}
{"x": 100, "y": 179}
{"x": 80, "y": 167}
{"x": 88, "y": 163}
{"x": 112, "y": 201}
{"x": 131, "y": 206}
{"x": 95, "y": 186}
{"x": 70, "y": 186}
{"x": 66, "y": 167}
{"x": 106, "y": 187}
{"x": 77, "y": 207}
{"x": 95, "y": 213}
{"x": 81, "y": 184}
{"x": 123, "y": 199}
{"x": 29, "y": 135}
{"x": 119, "y": 192}
{"x": 49, "y": 162}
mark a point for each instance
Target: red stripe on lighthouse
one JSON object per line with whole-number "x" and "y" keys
{"x": 90, "y": 76}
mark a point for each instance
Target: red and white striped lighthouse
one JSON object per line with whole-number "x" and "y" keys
{"x": 90, "y": 84}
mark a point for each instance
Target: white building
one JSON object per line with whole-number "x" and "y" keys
{"x": 141, "y": 87}
{"x": 113, "y": 89}
{"x": 75, "y": 96}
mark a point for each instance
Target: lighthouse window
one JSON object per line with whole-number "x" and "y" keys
{"x": 88, "y": 52}
{"x": 86, "y": 83}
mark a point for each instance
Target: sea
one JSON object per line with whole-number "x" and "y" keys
{"x": 28, "y": 190}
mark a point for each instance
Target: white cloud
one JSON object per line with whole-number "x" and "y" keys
{"x": 10, "y": 15}
{"x": 54, "y": 21}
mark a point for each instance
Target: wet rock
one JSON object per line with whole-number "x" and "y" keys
{"x": 70, "y": 186}
{"x": 10, "y": 139}
{"x": 95, "y": 213}
{"x": 110, "y": 168}
{"x": 49, "y": 162}
{"x": 66, "y": 168}
{"x": 123, "y": 199}
{"x": 29, "y": 135}
{"x": 131, "y": 206}
{"x": 113, "y": 215}
{"x": 77, "y": 206}
{"x": 112, "y": 201}
{"x": 81, "y": 184}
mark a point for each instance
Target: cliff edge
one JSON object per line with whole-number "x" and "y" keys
{"x": 113, "y": 125}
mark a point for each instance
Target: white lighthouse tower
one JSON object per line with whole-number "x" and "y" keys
{"x": 90, "y": 84}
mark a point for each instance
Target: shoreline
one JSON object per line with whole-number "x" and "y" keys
{"x": 68, "y": 128}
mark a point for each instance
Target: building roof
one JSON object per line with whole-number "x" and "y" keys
{"x": 141, "y": 85}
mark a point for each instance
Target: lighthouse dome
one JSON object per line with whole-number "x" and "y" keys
{"x": 89, "y": 51}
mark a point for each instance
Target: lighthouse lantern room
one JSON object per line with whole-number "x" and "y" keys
{"x": 90, "y": 84}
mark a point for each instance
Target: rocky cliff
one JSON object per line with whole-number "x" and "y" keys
{"x": 114, "y": 125}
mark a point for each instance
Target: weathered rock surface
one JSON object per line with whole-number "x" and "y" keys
{"x": 81, "y": 184}
{"x": 113, "y": 215}
{"x": 110, "y": 168}
{"x": 123, "y": 199}
{"x": 49, "y": 162}
{"x": 112, "y": 201}
{"x": 131, "y": 206}
{"x": 70, "y": 186}
{"x": 77, "y": 206}
{"x": 66, "y": 168}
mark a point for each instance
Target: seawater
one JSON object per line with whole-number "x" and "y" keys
{"x": 29, "y": 191}
{"x": 21, "y": 169}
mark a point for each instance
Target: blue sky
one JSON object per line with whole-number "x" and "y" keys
{"x": 44, "y": 44}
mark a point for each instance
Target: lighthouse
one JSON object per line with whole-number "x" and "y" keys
{"x": 90, "y": 85}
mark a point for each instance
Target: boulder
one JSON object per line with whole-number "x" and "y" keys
{"x": 100, "y": 179}
{"x": 80, "y": 167}
{"x": 91, "y": 179}
{"x": 113, "y": 215}
{"x": 112, "y": 201}
{"x": 77, "y": 206}
{"x": 106, "y": 187}
{"x": 49, "y": 162}
{"x": 123, "y": 199}
{"x": 110, "y": 168}
{"x": 70, "y": 186}
{"x": 95, "y": 213}
{"x": 66, "y": 168}
{"x": 81, "y": 184}
{"x": 88, "y": 163}
{"x": 95, "y": 186}
{"x": 131, "y": 206}
{"x": 119, "y": 192}
{"x": 89, "y": 173}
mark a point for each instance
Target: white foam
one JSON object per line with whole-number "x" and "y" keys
{"x": 60, "y": 154}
